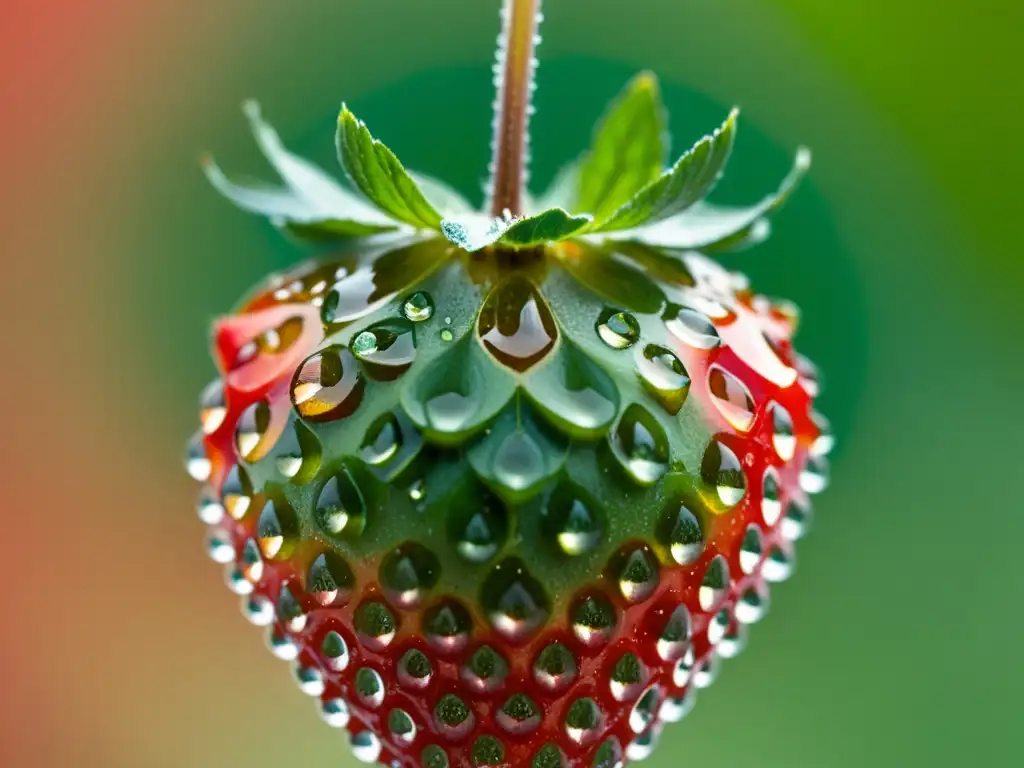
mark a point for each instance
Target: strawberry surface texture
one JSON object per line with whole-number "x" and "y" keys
{"x": 504, "y": 488}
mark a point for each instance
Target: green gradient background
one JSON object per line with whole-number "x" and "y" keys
{"x": 897, "y": 643}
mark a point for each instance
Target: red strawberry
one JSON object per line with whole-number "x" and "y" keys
{"x": 505, "y": 495}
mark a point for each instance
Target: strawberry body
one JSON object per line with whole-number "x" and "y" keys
{"x": 506, "y": 511}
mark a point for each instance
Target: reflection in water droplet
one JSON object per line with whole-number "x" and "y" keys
{"x": 485, "y": 671}
{"x": 310, "y": 680}
{"x": 783, "y": 437}
{"x": 408, "y": 572}
{"x": 516, "y": 325}
{"x": 664, "y": 376}
{"x": 258, "y": 610}
{"x": 608, "y": 755}
{"x": 418, "y": 307}
{"x": 328, "y": 385}
{"x": 686, "y": 538}
{"x": 573, "y": 523}
{"x": 674, "y": 639}
{"x": 593, "y": 620}
{"x": 692, "y": 327}
{"x": 645, "y": 710}
{"x": 797, "y": 519}
{"x": 618, "y": 329}
{"x": 715, "y": 585}
{"x": 366, "y": 747}
{"x": 236, "y": 492}
{"x": 281, "y": 645}
{"x": 721, "y": 470}
{"x": 675, "y": 708}
{"x": 636, "y": 573}
{"x": 519, "y": 714}
{"x": 434, "y": 757}
{"x": 574, "y": 393}
{"x": 771, "y": 503}
{"x": 277, "y": 530}
{"x": 340, "y": 508}
{"x": 731, "y": 397}
{"x": 583, "y": 720}
{"x": 402, "y": 727}
{"x": 219, "y": 547}
{"x": 375, "y": 625}
{"x": 639, "y": 442}
{"x": 683, "y": 669}
{"x": 208, "y": 506}
{"x": 733, "y": 642}
{"x": 212, "y": 407}
{"x": 334, "y": 712}
{"x": 778, "y": 566}
{"x": 387, "y": 348}
{"x": 752, "y": 605}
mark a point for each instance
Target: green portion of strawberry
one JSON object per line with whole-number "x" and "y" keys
{"x": 508, "y": 504}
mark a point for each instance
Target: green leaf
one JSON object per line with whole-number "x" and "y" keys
{"x": 684, "y": 184}
{"x": 476, "y": 231}
{"x": 375, "y": 170}
{"x": 627, "y": 152}
{"x": 312, "y": 204}
{"x": 711, "y": 226}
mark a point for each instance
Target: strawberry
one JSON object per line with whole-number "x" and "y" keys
{"x": 506, "y": 487}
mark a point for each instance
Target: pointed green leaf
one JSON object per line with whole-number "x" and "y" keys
{"x": 473, "y": 232}
{"x": 709, "y": 226}
{"x": 685, "y": 183}
{"x": 627, "y": 152}
{"x": 378, "y": 174}
{"x": 312, "y": 204}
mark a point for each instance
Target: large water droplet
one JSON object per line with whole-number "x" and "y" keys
{"x": 555, "y": 668}
{"x": 686, "y": 537}
{"x": 387, "y": 348}
{"x": 408, "y": 572}
{"x": 635, "y": 571}
{"x": 415, "y": 669}
{"x": 783, "y": 436}
{"x": 515, "y": 602}
{"x": 485, "y": 671}
{"x": 572, "y": 522}
{"x": 593, "y": 620}
{"x": 722, "y": 471}
{"x": 516, "y": 325}
{"x": 330, "y": 580}
{"x": 692, "y": 327}
{"x": 715, "y": 585}
{"x": 328, "y": 385}
{"x": 641, "y": 446}
{"x": 277, "y": 530}
{"x": 583, "y": 721}
{"x": 212, "y": 407}
{"x": 253, "y": 431}
{"x": 664, "y": 376}
{"x": 454, "y": 720}
{"x": 627, "y": 677}
{"x": 519, "y": 714}
{"x": 732, "y": 398}
{"x": 418, "y": 307}
{"x": 447, "y": 626}
{"x": 618, "y": 329}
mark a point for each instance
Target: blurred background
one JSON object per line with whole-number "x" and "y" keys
{"x": 897, "y": 643}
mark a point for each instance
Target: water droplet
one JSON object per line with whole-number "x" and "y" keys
{"x": 574, "y": 393}
{"x": 778, "y": 566}
{"x": 340, "y": 507}
{"x": 797, "y": 520}
{"x": 328, "y": 385}
{"x": 783, "y": 436}
{"x": 213, "y": 407}
{"x": 297, "y": 454}
{"x": 375, "y": 624}
{"x": 636, "y": 573}
{"x": 208, "y": 506}
{"x": 252, "y": 431}
{"x": 335, "y": 651}
{"x": 627, "y": 677}
{"x": 664, "y": 376}
{"x": 487, "y": 752}
{"x": 593, "y": 620}
{"x": 583, "y": 721}
{"x": 310, "y": 680}
{"x": 414, "y": 669}
{"x": 732, "y": 398}
{"x": 715, "y": 585}
{"x": 733, "y": 642}
{"x": 330, "y": 580}
{"x": 290, "y": 611}
{"x": 236, "y": 493}
{"x": 825, "y": 440}
{"x": 486, "y": 670}
{"x": 642, "y": 747}
{"x": 809, "y": 376}
{"x": 618, "y": 329}
{"x": 571, "y": 521}
{"x": 408, "y": 572}
{"x": 751, "y": 549}
{"x": 418, "y": 490}
{"x": 519, "y": 714}
{"x": 771, "y": 502}
{"x": 686, "y": 537}
{"x": 608, "y": 755}
{"x": 447, "y": 626}
{"x": 383, "y": 440}
{"x": 418, "y": 307}
{"x": 555, "y": 667}
{"x": 277, "y": 531}
{"x": 639, "y": 442}
{"x": 236, "y": 581}
{"x": 197, "y": 463}
{"x": 480, "y": 533}
{"x": 752, "y": 605}
{"x": 219, "y": 546}
{"x": 388, "y": 349}
{"x": 281, "y": 645}
{"x": 446, "y": 335}
{"x": 454, "y": 720}
{"x": 334, "y": 712}
{"x": 674, "y": 640}
{"x": 251, "y": 561}
{"x": 365, "y": 746}
{"x": 692, "y": 327}
{"x": 402, "y": 727}
{"x": 515, "y": 602}
{"x": 258, "y": 610}
{"x": 369, "y": 687}
{"x": 548, "y": 756}
{"x": 705, "y": 673}
{"x": 683, "y": 670}
{"x": 675, "y": 708}
{"x": 434, "y": 757}
{"x": 645, "y": 710}
{"x": 515, "y": 324}
{"x": 717, "y": 627}
{"x": 722, "y": 471}
{"x": 814, "y": 476}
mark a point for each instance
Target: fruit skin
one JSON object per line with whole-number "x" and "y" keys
{"x": 445, "y": 597}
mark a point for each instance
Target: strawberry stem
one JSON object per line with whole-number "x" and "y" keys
{"x": 514, "y": 73}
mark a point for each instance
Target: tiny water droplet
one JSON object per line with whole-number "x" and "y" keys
{"x": 330, "y": 580}
{"x": 825, "y": 440}
{"x": 519, "y": 714}
{"x": 446, "y": 335}
{"x": 693, "y": 328}
{"x": 334, "y": 712}
{"x": 675, "y": 708}
{"x": 251, "y": 431}
{"x": 208, "y": 506}
{"x": 402, "y": 727}
{"x": 627, "y": 677}
{"x": 814, "y": 476}
{"x": 383, "y": 440}
{"x": 277, "y": 530}
{"x": 618, "y": 329}
{"x": 778, "y": 566}
{"x": 593, "y": 620}
{"x": 310, "y": 680}
{"x": 635, "y": 570}
{"x": 717, "y": 627}
{"x": 328, "y": 385}
{"x": 608, "y": 755}
{"x": 752, "y": 605}
{"x": 639, "y": 442}
{"x": 366, "y": 747}
{"x": 219, "y": 547}
{"x": 418, "y": 307}
{"x": 434, "y": 757}
{"x": 375, "y": 625}
{"x": 516, "y": 603}
{"x": 290, "y": 611}
{"x": 236, "y": 493}
{"x": 340, "y": 508}
{"x": 721, "y": 470}
{"x": 197, "y": 463}
{"x": 335, "y": 651}
{"x": 797, "y": 519}
{"x": 645, "y": 710}
{"x": 664, "y": 376}
{"x": 480, "y": 533}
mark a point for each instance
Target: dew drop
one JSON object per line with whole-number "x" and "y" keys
{"x": 415, "y": 669}
{"x": 366, "y": 747}
{"x": 722, "y": 471}
{"x": 717, "y": 627}
{"x": 515, "y": 602}
{"x": 825, "y": 440}
{"x": 328, "y": 385}
{"x": 335, "y": 651}
{"x": 783, "y": 436}
{"x": 814, "y": 476}
{"x": 664, "y": 376}
{"x": 705, "y": 673}
{"x": 618, "y": 329}
{"x": 686, "y": 537}
{"x": 418, "y": 307}
{"x": 675, "y": 708}
{"x": 388, "y": 349}
{"x": 250, "y": 562}
{"x": 555, "y": 668}
{"x": 310, "y": 680}
{"x": 480, "y": 533}
{"x": 548, "y": 756}
{"x": 771, "y": 502}
{"x": 375, "y": 624}
{"x": 402, "y": 727}
{"x": 253, "y": 432}
{"x": 751, "y": 549}
{"x": 340, "y": 507}
{"x": 571, "y": 522}
{"x": 407, "y": 573}
{"x": 369, "y": 687}
{"x": 197, "y": 463}
{"x": 608, "y": 755}
{"x": 693, "y": 328}
{"x": 485, "y": 671}
{"x": 636, "y": 573}
{"x": 593, "y": 620}
{"x": 778, "y": 566}
{"x": 642, "y": 747}
{"x": 383, "y": 440}
{"x": 447, "y": 626}
{"x": 583, "y": 721}
{"x": 236, "y": 493}
{"x": 454, "y": 720}
{"x": 434, "y": 757}
{"x": 627, "y": 677}
{"x": 732, "y": 398}
{"x": 797, "y": 520}
{"x": 519, "y": 714}
{"x": 281, "y": 645}
{"x": 334, "y": 712}
{"x": 515, "y": 324}
{"x": 645, "y": 710}
{"x": 683, "y": 670}
{"x": 639, "y": 442}
{"x": 258, "y": 610}
{"x": 277, "y": 531}
{"x": 212, "y": 407}
{"x": 219, "y": 547}
{"x": 330, "y": 580}
{"x": 733, "y": 642}
{"x": 446, "y": 335}
{"x": 715, "y": 585}
{"x": 752, "y": 605}
{"x": 298, "y": 454}
{"x": 674, "y": 639}
{"x": 290, "y": 611}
